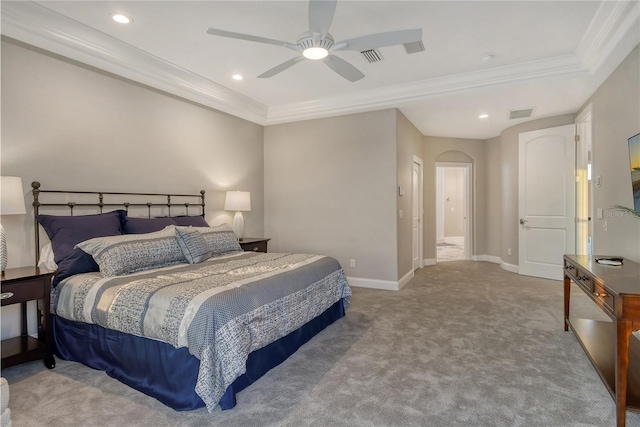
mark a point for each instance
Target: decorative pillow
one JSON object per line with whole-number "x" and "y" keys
{"x": 67, "y": 231}
{"x": 193, "y": 245}
{"x": 146, "y": 225}
{"x": 221, "y": 239}
{"x": 193, "y": 221}
{"x": 118, "y": 255}
{"x": 46, "y": 258}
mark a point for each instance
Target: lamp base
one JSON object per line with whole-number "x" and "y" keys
{"x": 238, "y": 224}
{"x": 3, "y": 249}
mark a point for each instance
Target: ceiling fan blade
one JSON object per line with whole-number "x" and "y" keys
{"x": 343, "y": 68}
{"x": 249, "y": 37}
{"x": 320, "y": 17}
{"x": 280, "y": 68}
{"x": 373, "y": 41}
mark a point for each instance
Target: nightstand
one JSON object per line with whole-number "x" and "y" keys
{"x": 254, "y": 244}
{"x": 20, "y": 285}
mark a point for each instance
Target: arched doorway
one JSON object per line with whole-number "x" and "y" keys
{"x": 454, "y": 183}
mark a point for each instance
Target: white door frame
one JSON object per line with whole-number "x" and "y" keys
{"x": 417, "y": 160}
{"x": 584, "y": 132}
{"x": 468, "y": 199}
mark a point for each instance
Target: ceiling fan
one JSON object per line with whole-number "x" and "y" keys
{"x": 318, "y": 44}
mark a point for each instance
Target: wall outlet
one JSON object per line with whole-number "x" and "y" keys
{"x": 353, "y": 263}
{"x": 400, "y": 214}
{"x": 509, "y": 251}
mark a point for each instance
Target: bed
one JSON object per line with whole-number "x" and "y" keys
{"x": 171, "y": 306}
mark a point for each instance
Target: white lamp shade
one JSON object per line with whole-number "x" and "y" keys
{"x": 237, "y": 201}
{"x": 12, "y": 196}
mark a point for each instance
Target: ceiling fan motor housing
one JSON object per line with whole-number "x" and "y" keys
{"x": 305, "y": 41}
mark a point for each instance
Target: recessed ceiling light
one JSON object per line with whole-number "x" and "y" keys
{"x": 487, "y": 58}
{"x": 237, "y": 77}
{"x": 483, "y": 116}
{"x": 121, "y": 19}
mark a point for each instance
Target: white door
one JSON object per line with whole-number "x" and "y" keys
{"x": 546, "y": 200}
{"x": 417, "y": 214}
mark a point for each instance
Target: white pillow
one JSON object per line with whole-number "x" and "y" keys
{"x": 47, "y": 259}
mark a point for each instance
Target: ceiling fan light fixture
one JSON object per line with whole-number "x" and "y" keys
{"x": 315, "y": 53}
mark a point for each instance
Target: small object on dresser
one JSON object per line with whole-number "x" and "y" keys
{"x": 612, "y": 260}
{"x": 254, "y": 244}
{"x": 238, "y": 201}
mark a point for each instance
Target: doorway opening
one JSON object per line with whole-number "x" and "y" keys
{"x": 453, "y": 211}
{"x": 584, "y": 187}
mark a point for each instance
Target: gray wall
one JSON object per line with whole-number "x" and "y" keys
{"x": 509, "y": 180}
{"x": 615, "y": 118}
{"x": 330, "y": 188}
{"x": 409, "y": 141}
{"x": 72, "y": 127}
{"x": 439, "y": 149}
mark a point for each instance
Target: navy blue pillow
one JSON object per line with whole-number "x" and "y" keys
{"x": 67, "y": 231}
{"x": 146, "y": 225}
{"x": 194, "y": 221}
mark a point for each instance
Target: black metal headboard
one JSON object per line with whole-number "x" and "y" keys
{"x": 118, "y": 202}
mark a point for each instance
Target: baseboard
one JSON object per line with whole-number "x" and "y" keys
{"x": 487, "y": 258}
{"x": 387, "y": 285}
{"x": 431, "y": 261}
{"x": 510, "y": 267}
{"x": 405, "y": 279}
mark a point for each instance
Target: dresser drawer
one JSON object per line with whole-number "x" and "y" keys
{"x": 584, "y": 281}
{"x": 570, "y": 270}
{"x": 255, "y": 247}
{"x": 13, "y": 293}
{"x": 603, "y": 297}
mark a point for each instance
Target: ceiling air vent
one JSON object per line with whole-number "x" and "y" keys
{"x": 372, "y": 55}
{"x": 520, "y": 114}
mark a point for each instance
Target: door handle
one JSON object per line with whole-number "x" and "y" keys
{"x": 523, "y": 221}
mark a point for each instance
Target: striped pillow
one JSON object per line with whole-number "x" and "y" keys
{"x": 193, "y": 245}
{"x": 220, "y": 238}
{"x": 128, "y": 253}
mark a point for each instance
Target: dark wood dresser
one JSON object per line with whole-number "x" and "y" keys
{"x": 611, "y": 347}
{"x": 20, "y": 285}
{"x": 254, "y": 244}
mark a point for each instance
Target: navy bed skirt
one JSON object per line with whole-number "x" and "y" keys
{"x": 159, "y": 370}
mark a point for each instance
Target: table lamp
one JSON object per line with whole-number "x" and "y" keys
{"x": 238, "y": 201}
{"x": 11, "y": 203}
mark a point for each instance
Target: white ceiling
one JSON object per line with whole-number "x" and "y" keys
{"x": 549, "y": 55}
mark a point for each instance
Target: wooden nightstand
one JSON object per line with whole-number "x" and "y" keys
{"x": 20, "y": 285}
{"x": 254, "y": 244}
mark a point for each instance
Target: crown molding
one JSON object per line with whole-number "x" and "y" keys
{"x": 608, "y": 27}
{"x": 391, "y": 96}
{"x": 39, "y": 26}
{"x": 36, "y": 25}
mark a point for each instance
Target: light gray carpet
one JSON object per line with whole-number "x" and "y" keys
{"x": 463, "y": 344}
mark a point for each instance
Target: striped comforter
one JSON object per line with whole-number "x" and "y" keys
{"x": 221, "y": 309}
